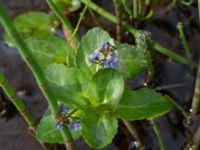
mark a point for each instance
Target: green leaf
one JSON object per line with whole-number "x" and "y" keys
{"x": 68, "y": 5}
{"x": 67, "y": 84}
{"x": 91, "y": 41}
{"x": 141, "y": 104}
{"x": 134, "y": 59}
{"x": 48, "y": 132}
{"x": 33, "y": 20}
{"x": 99, "y": 130}
{"x": 32, "y": 23}
{"x": 50, "y": 49}
{"x": 106, "y": 87}
{"x": 131, "y": 63}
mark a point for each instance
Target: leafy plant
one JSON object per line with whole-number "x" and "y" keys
{"x": 99, "y": 91}
{"x": 85, "y": 86}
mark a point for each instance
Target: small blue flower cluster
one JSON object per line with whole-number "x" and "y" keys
{"x": 95, "y": 55}
{"x": 59, "y": 124}
{"x": 64, "y": 109}
{"x": 75, "y": 125}
{"x": 63, "y": 119}
{"x": 106, "y": 56}
{"x": 113, "y": 62}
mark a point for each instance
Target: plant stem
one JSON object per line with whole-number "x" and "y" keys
{"x": 101, "y": 11}
{"x": 19, "y": 104}
{"x": 79, "y": 21}
{"x": 196, "y": 97}
{"x": 158, "y": 134}
{"x": 34, "y": 67}
{"x": 10, "y": 92}
{"x": 164, "y": 87}
{"x": 64, "y": 21}
{"x": 196, "y": 140}
{"x": 131, "y": 128}
{"x": 170, "y": 53}
{"x": 136, "y": 9}
{"x": 179, "y": 107}
{"x": 185, "y": 44}
{"x": 118, "y": 14}
{"x": 186, "y": 2}
{"x": 132, "y": 30}
{"x": 199, "y": 8}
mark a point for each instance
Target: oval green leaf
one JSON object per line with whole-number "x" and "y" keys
{"x": 142, "y": 104}
{"x": 132, "y": 61}
{"x": 106, "y": 87}
{"x": 50, "y": 49}
{"x": 67, "y": 84}
{"x": 32, "y": 23}
{"x": 99, "y": 130}
{"x": 48, "y": 132}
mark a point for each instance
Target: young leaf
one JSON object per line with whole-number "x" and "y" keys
{"x": 48, "y": 132}
{"x": 94, "y": 39}
{"x": 67, "y": 84}
{"x": 50, "y": 49}
{"x": 106, "y": 87}
{"x": 141, "y": 104}
{"x": 99, "y": 130}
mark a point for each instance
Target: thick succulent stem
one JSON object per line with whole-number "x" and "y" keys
{"x": 19, "y": 104}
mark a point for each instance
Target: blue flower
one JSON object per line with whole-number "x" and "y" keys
{"x": 113, "y": 62}
{"x": 59, "y": 124}
{"x": 105, "y": 64}
{"x": 64, "y": 109}
{"x": 113, "y": 55}
{"x": 94, "y": 56}
{"x": 75, "y": 125}
{"x": 105, "y": 46}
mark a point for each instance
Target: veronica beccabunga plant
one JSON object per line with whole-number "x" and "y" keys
{"x": 87, "y": 84}
{"x": 95, "y": 88}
